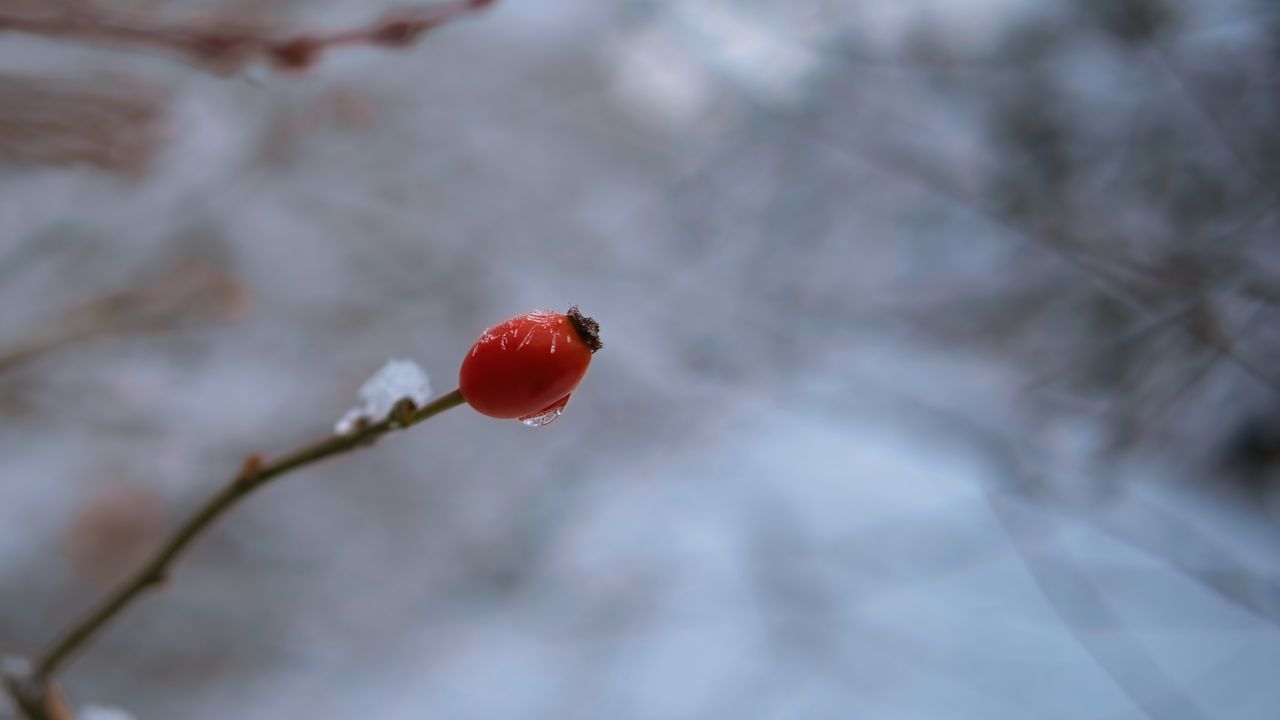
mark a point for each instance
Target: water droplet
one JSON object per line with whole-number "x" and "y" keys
{"x": 547, "y": 415}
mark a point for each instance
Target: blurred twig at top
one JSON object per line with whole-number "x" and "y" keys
{"x": 223, "y": 48}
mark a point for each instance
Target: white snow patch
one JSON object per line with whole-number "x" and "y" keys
{"x": 398, "y": 379}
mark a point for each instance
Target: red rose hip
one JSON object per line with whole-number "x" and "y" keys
{"x": 527, "y": 367}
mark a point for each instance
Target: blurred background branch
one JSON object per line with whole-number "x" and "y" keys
{"x": 116, "y": 126}
{"x": 223, "y": 49}
{"x": 193, "y": 292}
{"x": 948, "y": 335}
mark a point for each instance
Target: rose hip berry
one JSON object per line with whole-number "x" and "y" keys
{"x": 527, "y": 367}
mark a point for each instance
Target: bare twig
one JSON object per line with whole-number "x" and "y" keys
{"x": 31, "y": 689}
{"x": 227, "y": 49}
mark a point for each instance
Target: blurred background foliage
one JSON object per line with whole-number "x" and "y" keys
{"x": 940, "y": 375}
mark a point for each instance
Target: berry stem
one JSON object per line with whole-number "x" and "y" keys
{"x": 255, "y": 473}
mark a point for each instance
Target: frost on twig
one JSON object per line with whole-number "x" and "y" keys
{"x": 396, "y": 381}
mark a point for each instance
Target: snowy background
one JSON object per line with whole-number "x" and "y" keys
{"x": 939, "y": 381}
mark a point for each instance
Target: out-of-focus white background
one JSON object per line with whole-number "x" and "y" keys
{"x": 939, "y": 379}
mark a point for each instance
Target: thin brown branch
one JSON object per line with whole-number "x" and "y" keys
{"x": 227, "y": 49}
{"x": 31, "y": 689}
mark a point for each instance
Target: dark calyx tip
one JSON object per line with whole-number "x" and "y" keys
{"x": 588, "y": 329}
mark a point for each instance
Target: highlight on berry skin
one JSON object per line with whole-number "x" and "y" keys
{"x": 527, "y": 367}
